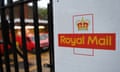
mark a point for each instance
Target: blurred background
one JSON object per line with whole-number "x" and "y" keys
{"x": 29, "y": 34}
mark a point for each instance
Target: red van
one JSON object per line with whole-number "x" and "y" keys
{"x": 2, "y": 48}
{"x": 30, "y": 42}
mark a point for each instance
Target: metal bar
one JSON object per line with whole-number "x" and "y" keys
{"x": 20, "y": 54}
{"x": 36, "y": 31}
{"x": 24, "y": 47}
{"x": 51, "y": 35}
{"x": 16, "y": 3}
{"x": 1, "y": 63}
{"x": 5, "y": 35}
{"x": 11, "y": 14}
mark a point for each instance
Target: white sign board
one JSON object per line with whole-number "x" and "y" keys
{"x": 87, "y": 35}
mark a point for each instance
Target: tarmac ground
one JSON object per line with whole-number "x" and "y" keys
{"x": 32, "y": 63}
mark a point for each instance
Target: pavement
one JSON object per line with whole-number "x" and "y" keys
{"x": 32, "y": 63}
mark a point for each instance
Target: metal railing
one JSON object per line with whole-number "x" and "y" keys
{"x": 8, "y": 27}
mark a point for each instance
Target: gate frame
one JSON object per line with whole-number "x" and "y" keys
{"x": 51, "y": 35}
{"x": 5, "y": 37}
{"x": 10, "y": 6}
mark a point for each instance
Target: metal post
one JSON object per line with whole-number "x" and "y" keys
{"x": 12, "y": 31}
{"x": 1, "y": 63}
{"x": 51, "y": 35}
{"x": 5, "y": 34}
{"x": 24, "y": 47}
{"x": 36, "y": 31}
{"x": 1, "y": 42}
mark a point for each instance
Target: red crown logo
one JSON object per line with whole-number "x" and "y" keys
{"x": 82, "y": 24}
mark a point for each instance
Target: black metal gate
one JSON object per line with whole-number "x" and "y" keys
{"x": 7, "y": 25}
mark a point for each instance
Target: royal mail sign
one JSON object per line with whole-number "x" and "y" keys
{"x": 86, "y": 35}
{"x": 90, "y": 41}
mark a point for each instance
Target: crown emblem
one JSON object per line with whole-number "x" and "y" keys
{"x": 82, "y": 24}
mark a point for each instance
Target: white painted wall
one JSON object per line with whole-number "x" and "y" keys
{"x": 106, "y": 15}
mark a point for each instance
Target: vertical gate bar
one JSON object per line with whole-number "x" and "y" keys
{"x": 5, "y": 42}
{"x": 11, "y": 14}
{"x": 1, "y": 61}
{"x": 5, "y": 35}
{"x": 51, "y": 35}
{"x": 24, "y": 48}
{"x": 36, "y": 31}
